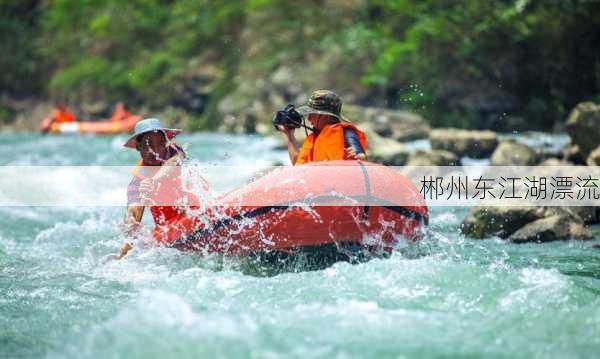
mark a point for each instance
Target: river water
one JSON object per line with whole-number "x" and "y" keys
{"x": 447, "y": 296}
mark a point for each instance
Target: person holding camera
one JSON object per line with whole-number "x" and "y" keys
{"x": 332, "y": 138}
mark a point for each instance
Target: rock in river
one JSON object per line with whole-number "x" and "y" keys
{"x": 583, "y": 126}
{"x": 488, "y": 221}
{"x": 524, "y": 224}
{"x": 572, "y": 153}
{"x": 551, "y": 228}
{"x": 511, "y": 153}
{"x": 475, "y": 144}
{"x": 594, "y": 158}
{"x": 433, "y": 158}
{"x": 394, "y": 124}
{"x": 384, "y": 150}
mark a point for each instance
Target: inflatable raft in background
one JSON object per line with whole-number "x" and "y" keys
{"x": 104, "y": 127}
{"x": 339, "y": 203}
{"x": 63, "y": 120}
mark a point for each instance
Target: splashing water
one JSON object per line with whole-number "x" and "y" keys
{"x": 444, "y": 296}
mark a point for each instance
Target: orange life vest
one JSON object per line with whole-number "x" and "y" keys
{"x": 168, "y": 189}
{"x": 167, "y": 193}
{"x": 329, "y": 144}
{"x": 63, "y": 116}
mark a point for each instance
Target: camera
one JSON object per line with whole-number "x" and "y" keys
{"x": 287, "y": 117}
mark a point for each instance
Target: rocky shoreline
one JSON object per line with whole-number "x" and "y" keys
{"x": 527, "y": 223}
{"x": 389, "y": 130}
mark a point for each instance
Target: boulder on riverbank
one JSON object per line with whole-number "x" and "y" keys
{"x": 26, "y": 115}
{"x": 583, "y": 125}
{"x": 589, "y": 214}
{"x": 389, "y": 156}
{"x": 523, "y": 224}
{"x": 433, "y": 158}
{"x": 512, "y": 153}
{"x": 594, "y": 157}
{"x": 551, "y": 228}
{"x": 488, "y": 221}
{"x": 555, "y": 162}
{"x": 475, "y": 144}
{"x": 572, "y": 153}
{"x": 394, "y": 124}
{"x": 384, "y": 150}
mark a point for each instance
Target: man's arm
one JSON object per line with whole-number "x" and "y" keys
{"x": 133, "y": 218}
{"x": 292, "y": 143}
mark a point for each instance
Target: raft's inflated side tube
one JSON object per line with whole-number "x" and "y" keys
{"x": 358, "y": 202}
{"x": 96, "y": 127}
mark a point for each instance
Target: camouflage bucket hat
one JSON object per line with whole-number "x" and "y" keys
{"x": 323, "y": 102}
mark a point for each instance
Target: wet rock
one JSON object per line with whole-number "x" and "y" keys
{"x": 389, "y": 157}
{"x": 250, "y": 124}
{"x": 254, "y": 101}
{"x": 398, "y": 125}
{"x": 551, "y": 228}
{"x": 26, "y": 114}
{"x": 433, "y": 158}
{"x": 511, "y": 153}
{"x": 384, "y": 150}
{"x": 555, "y": 162}
{"x": 250, "y": 120}
{"x": 504, "y": 222}
{"x": 488, "y": 221}
{"x": 543, "y": 154}
{"x": 594, "y": 157}
{"x": 251, "y": 116}
{"x": 572, "y": 153}
{"x": 589, "y": 214}
{"x": 583, "y": 125}
{"x": 192, "y": 93}
{"x": 475, "y": 144}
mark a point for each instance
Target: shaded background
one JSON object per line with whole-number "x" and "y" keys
{"x": 503, "y": 65}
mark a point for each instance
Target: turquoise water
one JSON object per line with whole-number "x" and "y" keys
{"x": 447, "y": 296}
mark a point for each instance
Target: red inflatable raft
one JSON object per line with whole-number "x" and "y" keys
{"x": 104, "y": 127}
{"x": 309, "y": 206}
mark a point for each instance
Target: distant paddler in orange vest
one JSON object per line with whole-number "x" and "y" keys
{"x": 61, "y": 114}
{"x": 156, "y": 181}
{"x": 120, "y": 113}
{"x": 332, "y": 138}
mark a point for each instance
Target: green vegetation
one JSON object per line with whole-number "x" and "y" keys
{"x": 466, "y": 63}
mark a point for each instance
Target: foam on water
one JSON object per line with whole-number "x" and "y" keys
{"x": 446, "y": 296}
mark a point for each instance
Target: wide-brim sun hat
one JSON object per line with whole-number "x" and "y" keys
{"x": 323, "y": 102}
{"x": 149, "y": 125}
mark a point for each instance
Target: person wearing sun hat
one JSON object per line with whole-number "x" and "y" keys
{"x": 156, "y": 182}
{"x": 333, "y": 137}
